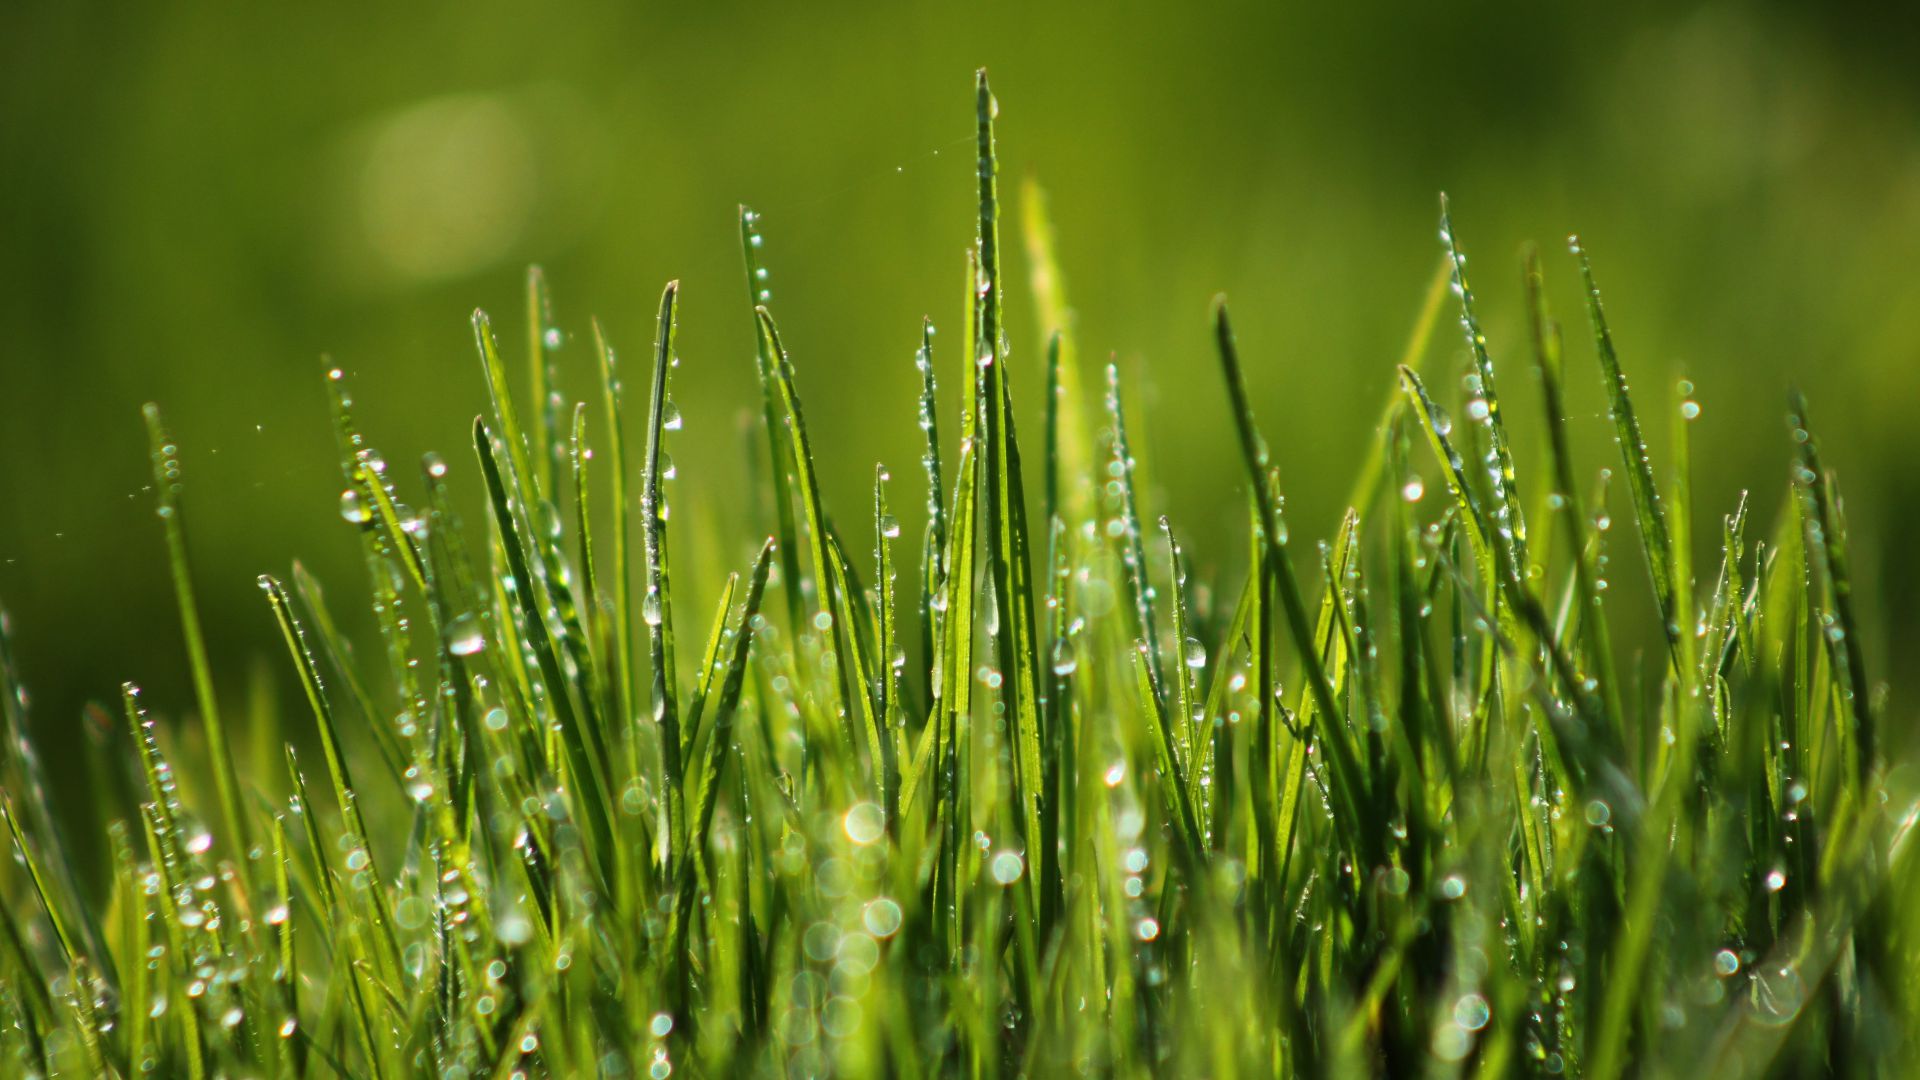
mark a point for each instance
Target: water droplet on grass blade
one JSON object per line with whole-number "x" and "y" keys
{"x": 1064, "y": 661}
{"x": 353, "y": 508}
{"x": 1007, "y": 867}
{"x": 464, "y": 636}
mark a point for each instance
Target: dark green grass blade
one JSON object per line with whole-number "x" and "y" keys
{"x": 780, "y": 475}
{"x": 1133, "y": 555}
{"x": 543, "y": 340}
{"x": 828, "y": 600}
{"x": 584, "y": 771}
{"x": 1505, "y": 512}
{"x": 1827, "y": 553}
{"x": 1565, "y": 496}
{"x": 1637, "y": 462}
{"x": 1008, "y": 542}
{"x": 1331, "y": 718}
{"x": 933, "y": 566}
{"x": 656, "y": 605}
{"x": 622, "y": 587}
{"x": 166, "y": 481}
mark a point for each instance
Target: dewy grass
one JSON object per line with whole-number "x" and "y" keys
{"x": 1390, "y": 807}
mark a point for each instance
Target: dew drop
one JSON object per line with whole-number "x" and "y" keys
{"x": 1064, "y": 660}
{"x": 464, "y": 636}
{"x": 353, "y": 508}
{"x": 1007, "y": 867}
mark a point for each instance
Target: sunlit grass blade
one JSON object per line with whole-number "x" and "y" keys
{"x": 622, "y": 579}
{"x": 781, "y": 473}
{"x": 1637, "y": 462}
{"x": 584, "y": 771}
{"x": 1827, "y": 553}
{"x": 656, "y": 604}
{"x": 1484, "y": 407}
{"x": 1329, "y": 716}
{"x": 166, "y": 479}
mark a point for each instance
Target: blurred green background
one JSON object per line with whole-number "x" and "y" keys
{"x": 198, "y": 201}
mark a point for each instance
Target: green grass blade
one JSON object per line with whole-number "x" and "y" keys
{"x": 622, "y": 574}
{"x": 656, "y": 605}
{"x": 585, "y": 772}
{"x": 1328, "y": 713}
{"x": 1826, "y": 540}
{"x": 166, "y": 481}
{"x": 1638, "y": 463}
{"x": 781, "y": 474}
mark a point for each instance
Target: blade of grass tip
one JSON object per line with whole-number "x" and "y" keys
{"x": 333, "y": 646}
{"x": 585, "y": 771}
{"x": 767, "y": 364}
{"x": 543, "y": 340}
{"x": 1007, "y": 519}
{"x": 892, "y": 661}
{"x": 495, "y": 369}
{"x": 1181, "y": 713}
{"x": 933, "y": 560}
{"x": 1328, "y": 713}
{"x": 853, "y": 633}
{"x": 1638, "y": 463}
{"x": 593, "y": 640}
{"x": 617, "y": 481}
{"x": 656, "y": 603}
{"x": 956, "y": 673}
{"x": 1132, "y": 552}
{"x": 1680, "y": 508}
{"x": 1566, "y": 497}
{"x": 388, "y": 514}
{"x": 1484, "y": 407}
{"x": 1826, "y": 541}
{"x": 166, "y": 480}
{"x": 711, "y": 666}
{"x": 844, "y": 687}
{"x": 719, "y": 732}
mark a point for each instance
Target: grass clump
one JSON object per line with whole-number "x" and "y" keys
{"x": 1395, "y": 807}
